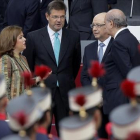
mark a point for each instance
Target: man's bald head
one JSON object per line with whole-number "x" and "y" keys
{"x": 99, "y": 29}
{"x": 100, "y": 17}
{"x": 118, "y": 17}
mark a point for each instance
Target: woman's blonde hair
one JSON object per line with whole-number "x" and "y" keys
{"x": 8, "y": 39}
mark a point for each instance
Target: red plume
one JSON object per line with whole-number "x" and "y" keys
{"x": 127, "y": 88}
{"x": 42, "y": 71}
{"x": 139, "y": 48}
{"x": 80, "y": 99}
{"x": 108, "y": 128}
{"x": 96, "y": 69}
{"x": 28, "y": 80}
{"x": 134, "y": 136}
{"x": 21, "y": 118}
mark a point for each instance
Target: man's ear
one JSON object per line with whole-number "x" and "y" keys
{"x": 47, "y": 16}
{"x": 111, "y": 24}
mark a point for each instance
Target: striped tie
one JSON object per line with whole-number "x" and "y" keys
{"x": 101, "y": 51}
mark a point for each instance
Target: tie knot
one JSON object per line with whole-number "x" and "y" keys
{"x": 56, "y": 34}
{"x": 101, "y": 44}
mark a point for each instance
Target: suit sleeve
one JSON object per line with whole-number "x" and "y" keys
{"x": 121, "y": 58}
{"x": 77, "y": 57}
{"x": 29, "y": 53}
{"x": 32, "y": 16}
{"x": 99, "y": 6}
{"x": 85, "y": 79}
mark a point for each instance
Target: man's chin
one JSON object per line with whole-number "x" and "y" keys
{"x": 58, "y": 27}
{"x": 97, "y": 37}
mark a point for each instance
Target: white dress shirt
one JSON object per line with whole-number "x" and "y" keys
{"x": 52, "y": 36}
{"x": 119, "y": 31}
{"x": 106, "y": 42}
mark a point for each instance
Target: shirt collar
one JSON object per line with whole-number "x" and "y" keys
{"x": 119, "y": 31}
{"x": 51, "y": 32}
{"x": 42, "y": 130}
{"x": 105, "y": 42}
{"x": 2, "y": 116}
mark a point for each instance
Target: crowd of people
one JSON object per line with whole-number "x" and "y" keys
{"x": 37, "y": 74}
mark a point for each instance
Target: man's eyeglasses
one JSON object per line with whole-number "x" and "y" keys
{"x": 96, "y": 25}
{"x": 57, "y": 17}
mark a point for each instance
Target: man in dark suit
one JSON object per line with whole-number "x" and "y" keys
{"x": 24, "y": 13}
{"x": 122, "y": 58}
{"x": 82, "y": 13}
{"x": 3, "y": 5}
{"x": 60, "y": 50}
{"x": 43, "y": 7}
{"x": 92, "y": 52}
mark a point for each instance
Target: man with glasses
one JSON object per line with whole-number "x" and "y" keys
{"x": 58, "y": 48}
{"x": 97, "y": 50}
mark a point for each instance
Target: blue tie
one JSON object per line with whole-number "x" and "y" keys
{"x": 101, "y": 51}
{"x": 56, "y": 47}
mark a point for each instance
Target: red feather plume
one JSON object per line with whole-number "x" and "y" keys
{"x": 127, "y": 88}
{"x": 96, "y": 69}
{"x": 134, "y": 136}
{"x": 21, "y": 118}
{"x": 80, "y": 99}
{"x": 42, "y": 71}
{"x": 139, "y": 48}
{"x": 108, "y": 128}
{"x": 28, "y": 80}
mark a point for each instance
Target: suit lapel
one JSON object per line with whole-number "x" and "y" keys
{"x": 64, "y": 45}
{"x": 73, "y": 3}
{"x": 108, "y": 49}
{"x": 96, "y": 51}
{"x": 47, "y": 43}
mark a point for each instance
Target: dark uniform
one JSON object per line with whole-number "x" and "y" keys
{"x": 42, "y": 135}
{"x": 16, "y": 137}
{"x": 4, "y": 127}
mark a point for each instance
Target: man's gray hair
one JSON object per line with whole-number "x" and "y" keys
{"x": 118, "y": 18}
